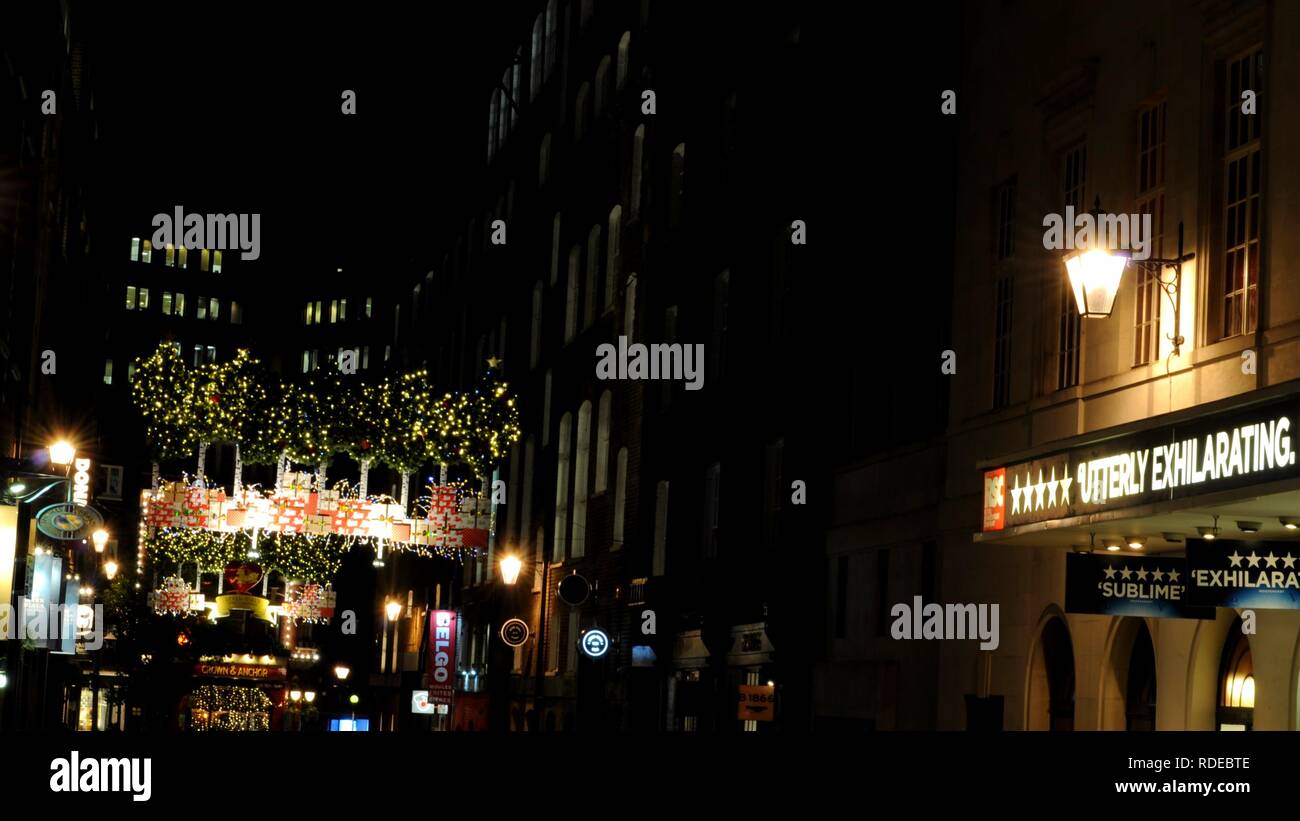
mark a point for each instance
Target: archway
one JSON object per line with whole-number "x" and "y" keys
{"x": 1129, "y": 678}
{"x": 1050, "y": 701}
{"x": 1236, "y": 704}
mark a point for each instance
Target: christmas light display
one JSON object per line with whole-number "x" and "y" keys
{"x": 229, "y": 708}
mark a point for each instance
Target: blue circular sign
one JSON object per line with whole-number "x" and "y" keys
{"x": 595, "y": 642}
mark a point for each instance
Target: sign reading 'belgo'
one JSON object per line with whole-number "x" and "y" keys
{"x": 1217, "y": 452}
{"x": 1230, "y": 573}
{"x": 442, "y": 655}
{"x": 1128, "y": 585}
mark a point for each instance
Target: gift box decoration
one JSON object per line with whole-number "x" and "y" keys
{"x": 327, "y": 501}
{"x": 318, "y": 524}
{"x": 237, "y": 517}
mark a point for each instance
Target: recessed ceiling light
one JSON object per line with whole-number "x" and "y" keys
{"x": 1135, "y": 542}
{"x": 1111, "y": 544}
{"x": 1248, "y": 527}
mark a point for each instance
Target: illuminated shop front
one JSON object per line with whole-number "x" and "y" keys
{"x": 1162, "y": 588}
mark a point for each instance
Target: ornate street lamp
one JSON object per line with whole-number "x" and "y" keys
{"x": 510, "y": 565}
{"x": 62, "y": 453}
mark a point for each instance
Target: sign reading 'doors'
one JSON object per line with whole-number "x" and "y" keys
{"x": 1129, "y": 585}
{"x": 1225, "y": 450}
{"x": 1231, "y": 573}
{"x": 442, "y": 655}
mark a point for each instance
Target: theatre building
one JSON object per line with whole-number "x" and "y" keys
{"x": 1119, "y": 471}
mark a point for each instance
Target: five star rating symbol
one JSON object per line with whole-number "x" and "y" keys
{"x": 1142, "y": 573}
{"x": 1028, "y": 496}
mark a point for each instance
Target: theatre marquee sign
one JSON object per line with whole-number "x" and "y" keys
{"x": 1218, "y": 452}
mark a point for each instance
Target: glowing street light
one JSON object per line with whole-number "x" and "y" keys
{"x": 295, "y": 696}
{"x": 393, "y": 609}
{"x": 100, "y": 538}
{"x": 510, "y": 565}
{"x": 62, "y": 452}
{"x": 110, "y": 569}
{"x": 341, "y": 671}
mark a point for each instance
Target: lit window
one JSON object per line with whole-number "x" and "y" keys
{"x": 178, "y": 307}
{"x": 550, "y": 37}
{"x": 620, "y": 496}
{"x": 130, "y": 297}
{"x": 580, "y": 469}
{"x": 201, "y": 312}
{"x": 184, "y": 256}
{"x": 212, "y": 354}
{"x": 216, "y": 262}
{"x": 306, "y": 361}
{"x": 205, "y": 259}
{"x": 343, "y": 310}
{"x": 562, "y": 489}
{"x": 236, "y": 314}
{"x": 319, "y": 314}
{"x": 365, "y": 357}
{"x": 629, "y": 308}
{"x": 307, "y": 315}
{"x": 602, "y": 442}
{"x": 638, "y": 162}
{"x": 535, "y": 66}
{"x": 198, "y": 355}
{"x": 144, "y": 299}
{"x": 171, "y": 255}
{"x": 130, "y": 372}
{"x": 108, "y": 371}
{"x": 334, "y": 311}
{"x": 315, "y": 359}
{"x": 620, "y": 74}
{"x": 146, "y": 254}
{"x": 135, "y": 249}
{"x": 614, "y": 258}
{"x": 167, "y": 303}
{"x": 368, "y": 307}
{"x": 214, "y": 307}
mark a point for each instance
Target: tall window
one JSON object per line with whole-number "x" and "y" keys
{"x": 108, "y": 371}
{"x": 670, "y": 337}
{"x": 580, "y": 107}
{"x": 171, "y": 255}
{"x": 307, "y": 315}
{"x": 201, "y": 308}
{"x": 130, "y": 297}
{"x": 620, "y": 74}
{"x": 580, "y": 474}
{"x": 629, "y": 307}
{"x": 593, "y": 277}
{"x": 493, "y": 108}
{"x": 535, "y": 65}
{"x": 678, "y": 185}
{"x": 614, "y": 257}
{"x": 369, "y": 306}
{"x": 712, "y": 494}
{"x": 216, "y": 262}
{"x": 638, "y": 159}
{"x": 1074, "y": 176}
{"x": 146, "y": 253}
{"x": 571, "y": 296}
{"x": 535, "y": 341}
{"x": 602, "y": 442}
{"x": 551, "y": 41}
{"x": 178, "y": 306}
{"x": 555, "y": 250}
{"x": 167, "y": 303}
{"x": 214, "y": 308}
{"x": 659, "y": 557}
{"x": 546, "y": 409}
{"x": 135, "y": 249}
{"x": 544, "y": 160}
{"x": 1151, "y": 200}
{"x": 236, "y": 314}
{"x": 184, "y": 256}
{"x": 562, "y": 489}
{"x": 205, "y": 260}
{"x": 1002, "y": 343}
{"x": 620, "y": 496}
{"x": 602, "y": 86}
{"x": 1242, "y": 205}
{"x": 526, "y": 514}
{"x": 144, "y": 299}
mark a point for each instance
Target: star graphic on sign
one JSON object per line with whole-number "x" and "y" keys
{"x": 1110, "y": 572}
{"x": 1065, "y": 490}
{"x": 1253, "y": 559}
{"x": 1270, "y": 559}
{"x": 1051, "y": 489}
{"x": 1142, "y": 574}
{"x": 1015, "y": 496}
{"x": 1235, "y": 559}
{"x": 1287, "y": 561}
{"x": 1039, "y": 489}
{"x": 1125, "y": 573}
{"x": 494, "y": 363}
{"x": 1159, "y": 575}
{"x": 1173, "y": 575}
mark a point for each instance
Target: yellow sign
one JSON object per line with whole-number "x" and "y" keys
{"x": 256, "y": 605}
{"x": 757, "y": 702}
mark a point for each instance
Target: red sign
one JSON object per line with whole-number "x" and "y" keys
{"x": 995, "y": 499}
{"x": 254, "y": 671}
{"x": 442, "y": 656}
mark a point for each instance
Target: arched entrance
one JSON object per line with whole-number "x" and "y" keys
{"x": 1140, "y": 699}
{"x": 1051, "y": 679}
{"x": 1128, "y": 687}
{"x": 1236, "y": 710}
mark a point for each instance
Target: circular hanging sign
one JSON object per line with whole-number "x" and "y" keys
{"x": 68, "y": 522}
{"x": 515, "y": 632}
{"x": 574, "y": 590}
{"x": 595, "y": 642}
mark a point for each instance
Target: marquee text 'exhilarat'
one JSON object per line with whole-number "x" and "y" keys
{"x": 1238, "y": 452}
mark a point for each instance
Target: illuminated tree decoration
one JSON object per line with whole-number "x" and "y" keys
{"x": 264, "y": 431}
{"x": 298, "y": 557}
{"x": 160, "y": 389}
{"x": 485, "y": 423}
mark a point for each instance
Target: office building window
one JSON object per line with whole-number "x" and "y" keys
{"x": 143, "y": 302}
{"x": 562, "y": 489}
{"x": 212, "y": 354}
{"x": 535, "y": 340}
{"x": 1074, "y": 178}
{"x": 624, "y": 47}
{"x": 130, "y": 297}
{"x": 108, "y": 371}
{"x": 555, "y": 249}
{"x": 1002, "y": 343}
{"x": 146, "y": 253}
{"x": 638, "y": 163}
{"x": 614, "y": 253}
{"x": 551, "y": 39}
{"x": 546, "y": 409}
{"x": 602, "y": 441}
{"x": 1242, "y": 204}
{"x": 677, "y": 184}
{"x": 205, "y": 260}
{"x": 201, "y": 308}
{"x": 343, "y": 310}
{"x": 167, "y": 303}
{"x": 629, "y": 307}
{"x": 369, "y": 306}
{"x": 712, "y": 495}
{"x": 593, "y": 277}
{"x": 171, "y": 255}
{"x": 236, "y": 313}
{"x": 535, "y": 64}
{"x": 1151, "y": 200}
{"x": 571, "y": 296}
{"x": 581, "y": 470}
{"x": 602, "y": 87}
{"x": 135, "y": 249}
{"x": 183, "y": 256}
{"x": 620, "y": 496}
{"x": 214, "y": 308}
{"x": 216, "y": 262}
{"x": 198, "y": 355}
{"x": 334, "y": 309}
{"x": 306, "y": 361}
{"x": 178, "y": 305}
{"x": 659, "y": 556}
{"x": 365, "y": 357}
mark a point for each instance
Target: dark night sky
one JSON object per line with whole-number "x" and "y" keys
{"x": 223, "y": 107}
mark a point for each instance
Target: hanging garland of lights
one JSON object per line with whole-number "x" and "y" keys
{"x": 229, "y": 708}
{"x": 299, "y": 556}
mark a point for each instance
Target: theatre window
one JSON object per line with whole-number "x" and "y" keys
{"x": 1236, "y": 682}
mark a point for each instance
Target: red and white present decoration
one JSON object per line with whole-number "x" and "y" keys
{"x": 173, "y": 597}
{"x": 310, "y": 602}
